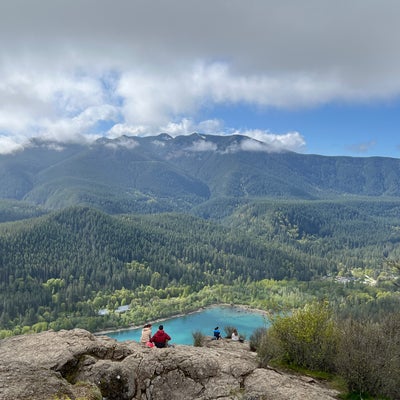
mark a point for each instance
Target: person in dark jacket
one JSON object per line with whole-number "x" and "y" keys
{"x": 217, "y": 333}
{"x": 160, "y": 338}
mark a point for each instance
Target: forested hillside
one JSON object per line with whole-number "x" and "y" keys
{"x": 354, "y": 233}
{"x": 63, "y": 258}
{"x": 165, "y": 174}
{"x": 56, "y": 265}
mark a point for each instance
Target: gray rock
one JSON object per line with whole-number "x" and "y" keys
{"x": 79, "y": 365}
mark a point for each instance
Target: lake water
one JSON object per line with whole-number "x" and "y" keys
{"x": 180, "y": 328}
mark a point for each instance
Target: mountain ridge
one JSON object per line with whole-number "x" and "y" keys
{"x": 161, "y": 173}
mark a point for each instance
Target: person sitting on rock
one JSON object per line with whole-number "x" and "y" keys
{"x": 235, "y": 336}
{"x": 146, "y": 334}
{"x": 217, "y": 333}
{"x": 160, "y": 338}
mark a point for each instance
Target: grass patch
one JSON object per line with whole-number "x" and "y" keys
{"x": 333, "y": 381}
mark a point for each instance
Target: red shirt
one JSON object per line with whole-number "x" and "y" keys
{"x": 160, "y": 337}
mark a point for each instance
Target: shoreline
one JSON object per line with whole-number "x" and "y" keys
{"x": 153, "y": 322}
{"x": 244, "y": 307}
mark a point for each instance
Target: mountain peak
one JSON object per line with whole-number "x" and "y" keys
{"x": 164, "y": 136}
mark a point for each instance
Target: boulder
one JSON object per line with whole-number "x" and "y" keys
{"x": 76, "y": 365}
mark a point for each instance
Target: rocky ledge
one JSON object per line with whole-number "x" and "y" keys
{"x": 79, "y": 365}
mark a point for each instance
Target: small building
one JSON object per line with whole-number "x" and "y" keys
{"x": 122, "y": 309}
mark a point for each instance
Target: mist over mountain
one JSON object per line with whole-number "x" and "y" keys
{"x": 162, "y": 173}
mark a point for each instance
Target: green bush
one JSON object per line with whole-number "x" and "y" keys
{"x": 366, "y": 354}
{"x": 307, "y": 338}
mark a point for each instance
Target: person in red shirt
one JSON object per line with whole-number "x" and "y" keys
{"x": 160, "y": 338}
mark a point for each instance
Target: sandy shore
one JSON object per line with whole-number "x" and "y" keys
{"x": 244, "y": 307}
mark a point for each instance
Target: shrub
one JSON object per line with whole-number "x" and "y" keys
{"x": 307, "y": 338}
{"x": 256, "y": 337}
{"x": 228, "y": 331}
{"x": 198, "y": 339}
{"x": 269, "y": 349}
{"x": 369, "y": 356}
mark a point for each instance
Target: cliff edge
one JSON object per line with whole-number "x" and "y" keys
{"x": 76, "y": 365}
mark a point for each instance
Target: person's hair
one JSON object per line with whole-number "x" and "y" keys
{"x": 216, "y": 328}
{"x": 161, "y": 327}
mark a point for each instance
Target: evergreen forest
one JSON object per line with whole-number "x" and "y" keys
{"x": 75, "y": 267}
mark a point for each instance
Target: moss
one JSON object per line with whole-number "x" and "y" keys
{"x": 92, "y": 392}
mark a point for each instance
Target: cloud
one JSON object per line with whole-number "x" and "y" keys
{"x": 129, "y": 130}
{"x": 9, "y": 145}
{"x": 76, "y": 70}
{"x": 259, "y": 141}
{"x": 51, "y": 103}
{"x": 201, "y": 146}
{"x": 123, "y": 142}
{"x": 78, "y": 127}
{"x": 187, "y": 126}
{"x": 266, "y": 141}
{"x": 362, "y": 148}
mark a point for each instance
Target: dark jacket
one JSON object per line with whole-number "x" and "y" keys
{"x": 160, "y": 338}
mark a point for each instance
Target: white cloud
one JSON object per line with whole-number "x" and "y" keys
{"x": 145, "y": 67}
{"x": 201, "y": 146}
{"x": 153, "y": 98}
{"x": 58, "y": 105}
{"x": 184, "y": 127}
{"x": 291, "y": 141}
{"x": 128, "y": 130}
{"x": 123, "y": 142}
{"x": 252, "y": 145}
{"x": 79, "y": 126}
{"x": 259, "y": 141}
{"x": 188, "y": 126}
{"x": 9, "y": 145}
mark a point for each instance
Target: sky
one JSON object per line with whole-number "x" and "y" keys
{"x": 310, "y": 76}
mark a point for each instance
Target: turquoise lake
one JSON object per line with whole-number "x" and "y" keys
{"x": 180, "y": 328}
